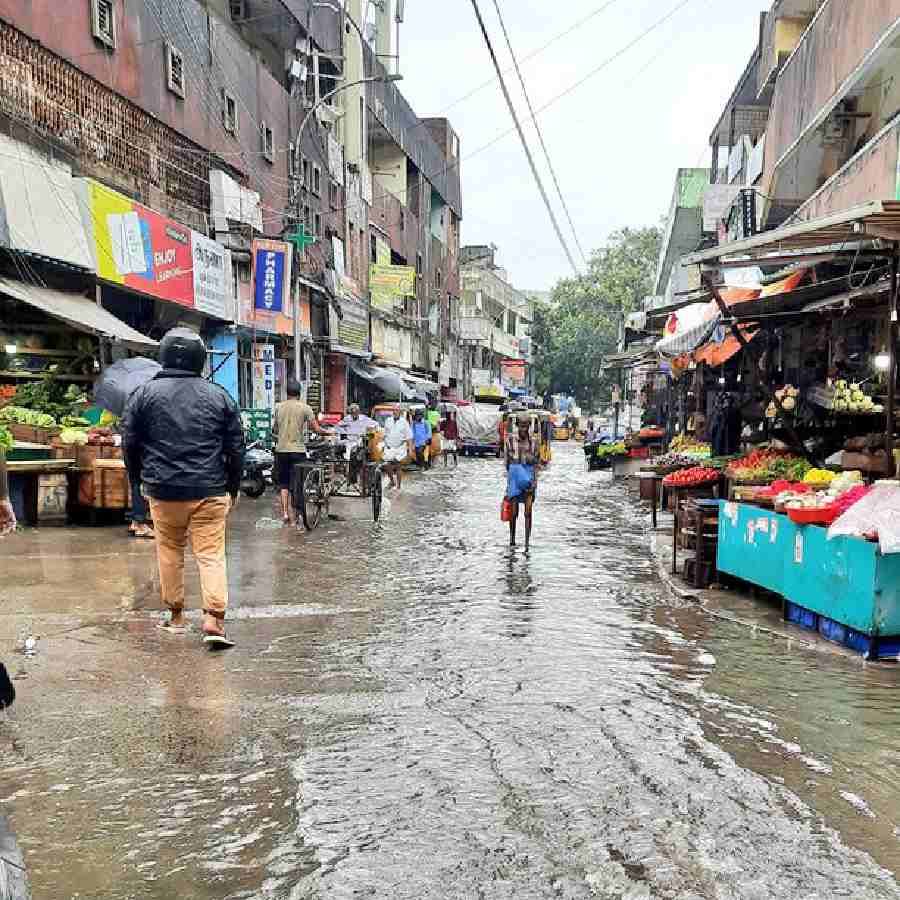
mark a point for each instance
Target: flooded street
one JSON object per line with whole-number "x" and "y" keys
{"x": 415, "y": 710}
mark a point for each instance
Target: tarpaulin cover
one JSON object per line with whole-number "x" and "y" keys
{"x": 79, "y": 312}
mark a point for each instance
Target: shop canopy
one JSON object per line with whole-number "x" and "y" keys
{"x": 385, "y": 380}
{"x": 839, "y": 232}
{"x": 77, "y": 311}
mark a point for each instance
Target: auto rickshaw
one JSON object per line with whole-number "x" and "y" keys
{"x": 560, "y": 428}
{"x": 541, "y": 427}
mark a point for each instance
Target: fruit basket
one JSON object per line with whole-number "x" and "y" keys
{"x": 816, "y": 515}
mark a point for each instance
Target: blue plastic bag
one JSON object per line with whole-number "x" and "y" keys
{"x": 519, "y": 480}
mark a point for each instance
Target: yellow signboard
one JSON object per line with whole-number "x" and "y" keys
{"x": 389, "y": 284}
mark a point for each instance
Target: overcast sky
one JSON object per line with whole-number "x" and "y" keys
{"x": 615, "y": 142}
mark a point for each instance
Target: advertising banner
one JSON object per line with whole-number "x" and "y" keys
{"x": 271, "y": 275}
{"x": 140, "y": 249}
{"x": 513, "y": 371}
{"x": 389, "y": 284}
{"x": 212, "y": 277}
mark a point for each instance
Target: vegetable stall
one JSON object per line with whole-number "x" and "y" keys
{"x": 802, "y": 369}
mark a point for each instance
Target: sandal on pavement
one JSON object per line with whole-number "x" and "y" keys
{"x": 216, "y": 639}
{"x": 169, "y": 628}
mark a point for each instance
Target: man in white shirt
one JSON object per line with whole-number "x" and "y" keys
{"x": 398, "y": 446}
{"x": 353, "y": 428}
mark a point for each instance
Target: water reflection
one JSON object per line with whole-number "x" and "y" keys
{"x": 413, "y": 711}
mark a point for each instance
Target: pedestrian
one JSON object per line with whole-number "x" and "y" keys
{"x": 354, "y": 427}
{"x": 293, "y": 419}
{"x": 183, "y": 439}
{"x": 450, "y": 434}
{"x": 7, "y": 526}
{"x": 138, "y": 527}
{"x": 522, "y": 462}
{"x": 421, "y": 438}
{"x": 7, "y": 513}
{"x": 398, "y": 446}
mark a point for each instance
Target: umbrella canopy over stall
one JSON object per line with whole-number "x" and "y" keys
{"x": 386, "y": 380}
{"x": 121, "y": 380}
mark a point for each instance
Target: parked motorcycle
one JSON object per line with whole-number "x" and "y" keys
{"x": 257, "y": 473}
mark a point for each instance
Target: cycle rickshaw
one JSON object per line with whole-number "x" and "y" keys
{"x": 326, "y": 473}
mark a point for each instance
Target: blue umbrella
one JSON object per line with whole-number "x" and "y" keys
{"x": 120, "y": 380}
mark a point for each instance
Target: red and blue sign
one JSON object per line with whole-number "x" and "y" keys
{"x": 271, "y": 275}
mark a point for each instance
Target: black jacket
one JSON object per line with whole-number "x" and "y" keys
{"x": 183, "y": 438}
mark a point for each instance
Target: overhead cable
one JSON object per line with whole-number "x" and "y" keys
{"x": 524, "y": 142}
{"x": 540, "y": 133}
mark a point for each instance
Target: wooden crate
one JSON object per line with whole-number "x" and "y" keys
{"x": 105, "y": 486}
{"x": 32, "y": 435}
{"x": 87, "y": 454}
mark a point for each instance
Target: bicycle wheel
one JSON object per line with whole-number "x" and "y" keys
{"x": 376, "y": 487}
{"x": 312, "y": 499}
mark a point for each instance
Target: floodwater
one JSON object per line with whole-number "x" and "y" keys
{"x": 415, "y": 711}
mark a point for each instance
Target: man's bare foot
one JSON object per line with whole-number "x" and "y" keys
{"x": 212, "y": 625}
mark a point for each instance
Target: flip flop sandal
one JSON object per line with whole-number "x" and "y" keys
{"x": 217, "y": 641}
{"x": 169, "y": 628}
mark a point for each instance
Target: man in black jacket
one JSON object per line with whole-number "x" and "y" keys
{"x": 184, "y": 441}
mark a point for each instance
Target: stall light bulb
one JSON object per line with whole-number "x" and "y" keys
{"x": 882, "y": 362}
{"x": 10, "y": 349}
{"x": 721, "y": 381}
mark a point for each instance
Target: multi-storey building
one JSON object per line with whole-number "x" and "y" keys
{"x": 495, "y": 323}
{"x": 812, "y": 127}
{"x": 158, "y": 144}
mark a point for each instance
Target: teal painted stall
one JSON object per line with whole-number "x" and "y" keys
{"x": 844, "y": 588}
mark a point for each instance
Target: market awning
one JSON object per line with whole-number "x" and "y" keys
{"x": 629, "y": 359}
{"x": 876, "y": 220}
{"x": 385, "y": 380}
{"x": 75, "y": 310}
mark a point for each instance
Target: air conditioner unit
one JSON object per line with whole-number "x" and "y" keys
{"x": 238, "y": 10}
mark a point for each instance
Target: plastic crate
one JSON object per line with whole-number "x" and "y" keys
{"x": 800, "y": 616}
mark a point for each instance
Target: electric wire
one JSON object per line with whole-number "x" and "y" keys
{"x": 524, "y": 142}
{"x": 540, "y": 133}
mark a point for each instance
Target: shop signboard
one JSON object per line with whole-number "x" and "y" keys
{"x": 257, "y": 425}
{"x": 264, "y": 376}
{"x": 276, "y": 320}
{"x": 140, "y": 249}
{"x": 353, "y": 326}
{"x": 271, "y": 275}
{"x": 390, "y": 284}
{"x": 480, "y": 377}
{"x": 212, "y": 277}
{"x": 513, "y": 371}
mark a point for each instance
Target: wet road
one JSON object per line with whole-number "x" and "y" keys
{"x": 414, "y": 710}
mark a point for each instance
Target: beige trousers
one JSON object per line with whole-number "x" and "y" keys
{"x": 205, "y": 521}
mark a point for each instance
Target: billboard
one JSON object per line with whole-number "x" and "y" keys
{"x": 389, "y": 284}
{"x": 513, "y": 371}
{"x": 140, "y": 249}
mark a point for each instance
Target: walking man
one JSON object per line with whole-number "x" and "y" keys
{"x": 184, "y": 441}
{"x": 522, "y": 462}
{"x": 293, "y": 418}
{"x": 398, "y": 446}
{"x": 421, "y": 438}
{"x": 450, "y": 435}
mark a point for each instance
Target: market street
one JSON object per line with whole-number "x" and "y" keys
{"x": 413, "y": 710}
